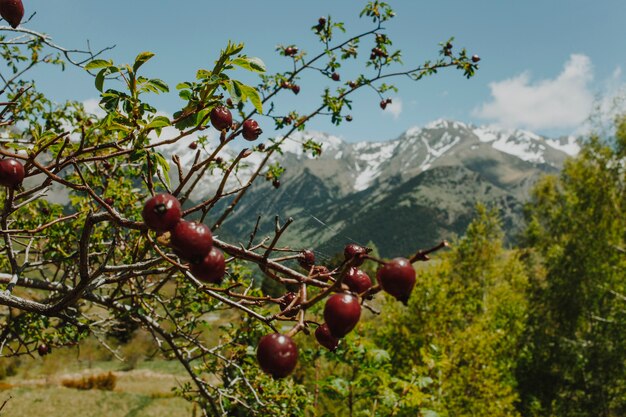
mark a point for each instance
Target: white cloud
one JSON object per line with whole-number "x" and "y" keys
{"x": 560, "y": 103}
{"x": 395, "y": 107}
{"x": 92, "y": 105}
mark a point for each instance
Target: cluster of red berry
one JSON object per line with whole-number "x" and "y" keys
{"x": 192, "y": 241}
{"x": 277, "y": 354}
{"x": 222, "y": 119}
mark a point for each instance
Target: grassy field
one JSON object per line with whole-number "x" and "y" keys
{"x": 37, "y": 389}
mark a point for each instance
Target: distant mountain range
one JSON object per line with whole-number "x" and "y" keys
{"x": 401, "y": 194}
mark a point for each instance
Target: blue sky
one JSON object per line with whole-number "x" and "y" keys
{"x": 543, "y": 62}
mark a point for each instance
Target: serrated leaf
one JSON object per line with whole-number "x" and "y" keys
{"x": 98, "y": 63}
{"x": 141, "y": 59}
{"x": 250, "y": 63}
{"x": 159, "y": 121}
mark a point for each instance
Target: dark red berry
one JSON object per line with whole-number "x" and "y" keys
{"x": 475, "y": 58}
{"x": 221, "y": 118}
{"x": 277, "y": 355}
{"x": 306, "y": 259}
{"x": 275, "y": 183}
{"x": 251, "y": 130}
{"x": 372, "y": 56}
{"x": 162, "y": 212}
{"x": 285, "y": 84}
{"x": 352, "y": 250}
{"x": 397, "y": 277}
{"x": 383, "y": 104}
{"x": 43, "y": 349}
{"x": 12, "y": 11}
{"x": 11, "y": 172}
{"x": 322, "y": 273}
{"x": 295, "y": 88}
{"x": 342, "y": 313}
{"x": 212, "y": 267}
{"x": 388, "y": 101}
{"x": 229, "y": 102}
{"x": 192, "y": 239}
{"x": 335, "y": 76}
{"x": 193, "y": 145}
{"x": 291, "y": 51}
{"x": 325, "y": 338}
{"x": 352, "y": 84}
{"x": 285, "y": 301}
{"x": 348, "y": 118}
{"x": 109, "y": 201}
{"x": 357, "y": 280}
{"x": 321, "y": 21}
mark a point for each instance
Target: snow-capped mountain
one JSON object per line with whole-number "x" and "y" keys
{"x": 429, "y": 179}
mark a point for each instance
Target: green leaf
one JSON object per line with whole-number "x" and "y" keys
{"x": 251, "y": 94}
{"x": 100, "y": 79}
{"x": 141, "y": 59}
{"x": 250, "y": 63}
{"x": 98, "y": 63}
{"x": 158, "y": 122}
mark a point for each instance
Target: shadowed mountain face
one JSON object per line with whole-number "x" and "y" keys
{"x": 403, "y": 194}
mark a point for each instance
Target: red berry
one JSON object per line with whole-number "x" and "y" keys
{"x": 193, "y": 145}
{"x": 212, "y": 267}
{"x": 291, "y": 51}
{"x": 109, "y": 201}
{"x": 383, "y": 104}
{"x": 348, "y": 118}
{"x": 221, "y": 118}
{"x": 11, "y": 172}
{"x": 342, "y": 313}
{"x": 475, "y": 58}
{"x": 321, "y": 21}
{"x": 275, "y": 183}
{"x": 325, "y": 338}
{"x": 285, "y": 301}
{"x": 43, "y": 349}
{"x": 295, "y": 88}
{"x": 162, "y": 212}
{"x": 251, "y": 130}
{"x": 352, "y": 84}
{"x": 306, "y": 259}
{"x": 12, "y": 11}
{"x": 397, "y": 277}
{"x": 192, "y": 239}
{"x": 388, "y": 101}
{"x": 357, "y": 280}
{"x": 353, "y": 250}
{"x": 335, "y": 76}
{"x": 277, "y": 355}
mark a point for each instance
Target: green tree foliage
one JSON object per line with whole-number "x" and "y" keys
{"x": 463, "y": 324}
{"x": 574, "y": 359}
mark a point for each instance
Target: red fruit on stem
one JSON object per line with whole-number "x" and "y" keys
{"x": 43, "y": 349}
{"x": 475, "y": 58}
{"x": 397, "y": 277}
{"x": 162, "y": 212}
{"x": 383, "y": 104}
{"x": 12, "y": 11}
{"x": 277, "y": 355}
{"x": 357, "y": 280}
{"x": 342, "y": 312}
{"x": 109, "y": 201}
{"x": 321, "y": 21}
{"x": 322, "y": 271}
{"x": 291, "y": 50}
{"x": 285, "y": 301}
{"x": 193, "y": 145}
{"x": 306, "y": 259}
{"x": 212, "y": 267}
{"x": 325, "y": 338}
{"x": 295, "y": 88}
{"x": 275, "y": 183}
{"x": 353, "y": 250}
{"x": 335, "y": 76}
{"x": 221, "y": 118}
{"x": 11, "y": 172}
{"x": 348, "y": 118}
{"x": 251, "y": 130}
{"x": 193, "y": 240}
